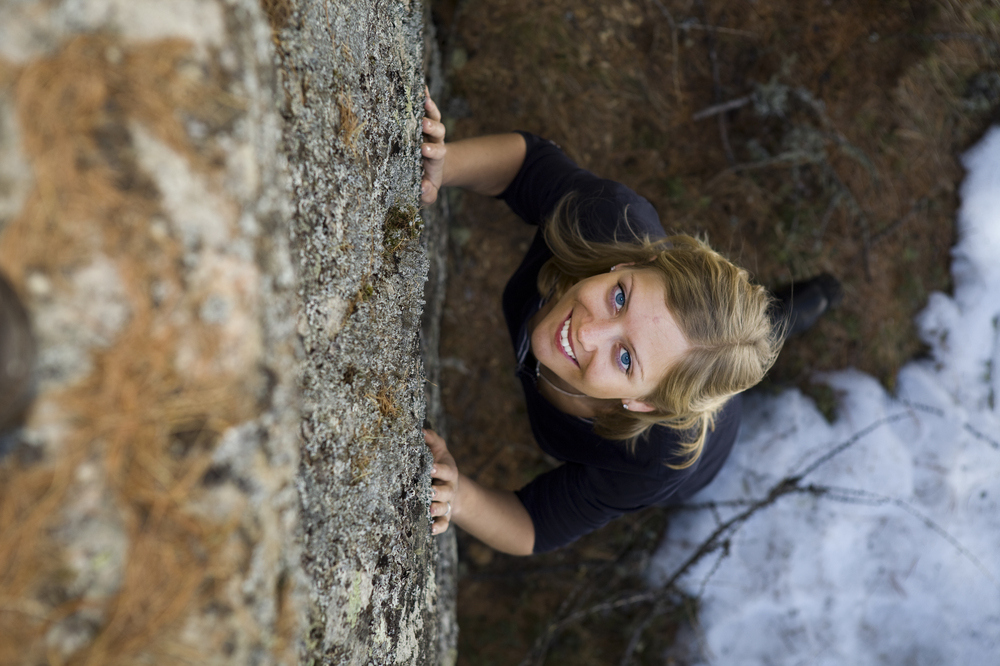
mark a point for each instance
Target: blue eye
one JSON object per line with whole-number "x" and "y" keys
{"x": 619, "y": 297}
{"x": 625, "y": 359}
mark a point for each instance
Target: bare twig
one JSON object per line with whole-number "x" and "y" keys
{"x": 690, "y": 24}
{"x": 538, "y": 651}
{"x": 658, "y": 609}
{"x": 789, "y": 158}
{"x": 883, "y": 233}
{"x": 921, "y": 407}
{"x": 866, "y": 247}
{"x": 981, "y": 436}
{"x": 855, "y": 207}
{"x": 854, "y": 439}
{"x": 522, "y": 574}
{"x": 724, "y": 107}
{"x": 724, "y": 136}
{"x": 714, "y": 505}
{"x": 713, "y": 57}
{"x": 674, "y": 49}
{"x": 858, "y": 496}
{"x": 541, "y": 647}
{"x": 715, "y": 567}
{"x": 962, "y": 36}
{"x": 832, "y": 133}
{"x": 624, "y": 601}
{"x": 825, "y": 221}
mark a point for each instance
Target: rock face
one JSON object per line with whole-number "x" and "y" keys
{"x": 352, "y": 99}
{"x": 208, "y": 209}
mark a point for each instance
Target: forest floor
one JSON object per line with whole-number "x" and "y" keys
{"x": 838, "y": 152}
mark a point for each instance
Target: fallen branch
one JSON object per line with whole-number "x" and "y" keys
{"x": 981, "y": 436}
{"x": 724, "y": 107}
{"x": 961, "y": 36}
{"x": 536, "y": 656}
{"x": 893, "y": 226}
{"x": 658, "y": 609}
{"x": 675, "y": 51}
{"x": 858, "y": 496}
{"x": 690, "y": 24}
{"x": 713, "y": 57}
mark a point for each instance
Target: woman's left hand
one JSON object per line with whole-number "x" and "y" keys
{"x": 433, "y": 151}
{"x": 444, "y": 480}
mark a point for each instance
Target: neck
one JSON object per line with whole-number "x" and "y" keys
{"x": 567, "y": 401}
{"x": 554, "y": 386}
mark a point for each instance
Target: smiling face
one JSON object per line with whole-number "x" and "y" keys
{"x": 610, "y": 336}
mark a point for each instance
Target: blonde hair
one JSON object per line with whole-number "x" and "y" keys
{"x": 724, "y": 318}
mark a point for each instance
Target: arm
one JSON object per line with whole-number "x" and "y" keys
{"x": 495, "y": 517}
{"x": 485, "y": 164}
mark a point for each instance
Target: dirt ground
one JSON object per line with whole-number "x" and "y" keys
{"x": 839, "y": 153}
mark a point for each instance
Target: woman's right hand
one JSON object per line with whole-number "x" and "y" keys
{"x": 432, "y": 151}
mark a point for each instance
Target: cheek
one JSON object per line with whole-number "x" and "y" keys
{"x": 603, "y": 373}
{"x": 539, "y": 339}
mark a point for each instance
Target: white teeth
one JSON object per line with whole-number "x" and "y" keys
{"x": 564, "y": 339}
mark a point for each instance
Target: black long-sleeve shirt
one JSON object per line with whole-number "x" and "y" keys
{"x": 599, "y": 479}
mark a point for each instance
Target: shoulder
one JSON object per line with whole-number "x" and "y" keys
{"x": 606, "y": 207}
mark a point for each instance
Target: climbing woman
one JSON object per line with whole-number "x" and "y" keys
{"x": 632, "y": 347}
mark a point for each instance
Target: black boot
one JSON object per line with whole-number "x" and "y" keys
{"x": 800, "y": 305}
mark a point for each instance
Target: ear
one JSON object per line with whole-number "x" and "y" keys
{"x": 638, "y": 406}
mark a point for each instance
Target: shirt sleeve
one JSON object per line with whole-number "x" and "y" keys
{"x": 547, "y": 175}
{"x": 573, "y": 500}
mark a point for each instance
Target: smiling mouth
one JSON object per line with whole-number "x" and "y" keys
{"x": 564, "y": 339}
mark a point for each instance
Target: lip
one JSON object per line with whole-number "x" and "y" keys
{"x": 558, "y": 342}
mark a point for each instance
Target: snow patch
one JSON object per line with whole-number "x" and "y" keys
{"x": 894, "y": 558}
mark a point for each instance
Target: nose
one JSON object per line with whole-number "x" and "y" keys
{"x": 595, "y": 332}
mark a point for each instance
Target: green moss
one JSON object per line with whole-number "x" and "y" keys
{"x": 402, "y": 224}
{"x": 365, "y": 292}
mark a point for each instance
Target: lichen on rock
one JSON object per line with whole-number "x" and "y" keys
{"x": 352, "y": 79}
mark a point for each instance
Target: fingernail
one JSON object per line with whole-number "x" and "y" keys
{"x": 434, "y": 470}
{"x": 434, "y": 493}
{"x": 423, "y": 189}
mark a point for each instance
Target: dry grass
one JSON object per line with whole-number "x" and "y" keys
{"x": 350, "y": 126}
{"x": 277, "y": 12}
{"x": 386, "y": 401}
{"x": 90, "y": 198}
